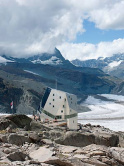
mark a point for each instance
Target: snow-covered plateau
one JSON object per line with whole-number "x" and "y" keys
{"x": 106, "y": 111}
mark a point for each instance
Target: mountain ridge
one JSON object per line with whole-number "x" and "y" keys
{"x": 84, "y": 80}
{"x": 113, "y": 65}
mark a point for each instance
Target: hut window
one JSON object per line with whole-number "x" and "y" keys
{"x": 61, "y": 111}
{"x": 63, "y": 106}
{"x": 53, "y": 94}
{"x": 53, "y": 105}
{"x": 60, "y": 97}
{"x": 53, "y": 99}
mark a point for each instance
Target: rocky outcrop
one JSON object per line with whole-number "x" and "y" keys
{"x": 52, "y": 145}
{"x": 84, "y": 139}
{"x": 20, "y": 120}
{"x": 25, "y": 93}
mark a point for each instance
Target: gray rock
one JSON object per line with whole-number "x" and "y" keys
{"x": 3, "y": 138}
{"x": 18, "y": 139}
{"x": 117, "y": 153}
{"x": 36, "y": 126}
{"x": 17, "y": 156}
{"x": 76, "y": 139}
{"x": 83, "y": 139}
{"x": 4, "y": 123}
{"x": 57, "y": 161}
{"x": 20, "y": 120}
{"x": 55, "y": 134}
{"x": 47, "y": 141}
{"x": 46, "y": 134}
{"x": 34, "y": 137}
{"x": 107, "y": 139}
{"x": 7, "y": 151}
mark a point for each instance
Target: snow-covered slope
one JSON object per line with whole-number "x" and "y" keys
{"x": 106, "y": 113}
{"x": 4, "y": 60}
{"x": 51, "y": 61}
{"x": 114, "y": 64}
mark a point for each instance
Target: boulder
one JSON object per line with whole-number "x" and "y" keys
{"x": 34, "y": 137}
{"x": 4, "y": 123}
{"x": 18, "y": 156}
{"x": 83, "y": 139}
{"x": 55, "y": 134}
{"x": 107, "y": 139}
{"x": 76, "y": 139}
{"x": 37, "y": 126}
{"x": 117, "y": 153}
{"x": 18, "y": 139}
{"x": 20, "y": 120}
{"x": 3, "y": 138}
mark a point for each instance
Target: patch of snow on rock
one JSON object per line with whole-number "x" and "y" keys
{"x": 52, "y": 61}
{"x": 31, "y": 72}
{"x": 3, "y": 60}
{"x": 115, "y": 64}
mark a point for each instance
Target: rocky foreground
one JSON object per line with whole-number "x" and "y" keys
{"x": 26, "y": 142}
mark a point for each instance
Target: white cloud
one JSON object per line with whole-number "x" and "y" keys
{"x": 34, "y": 26}
{"x": 84, "y": 51}
{"x": 109, "y": 16}
{"x": 29, "y": 27}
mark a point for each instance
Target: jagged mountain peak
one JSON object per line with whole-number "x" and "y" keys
{"x": 54, "y": 58}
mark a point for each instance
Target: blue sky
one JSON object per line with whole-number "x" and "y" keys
{"x": 94, "y": 35}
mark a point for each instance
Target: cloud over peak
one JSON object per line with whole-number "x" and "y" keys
{"x": 29, "y": 27}
{"x": 84, "y": 51}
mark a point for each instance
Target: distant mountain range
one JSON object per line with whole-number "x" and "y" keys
{"x": 113, "y": 65}
{"x": 51, "y": 68}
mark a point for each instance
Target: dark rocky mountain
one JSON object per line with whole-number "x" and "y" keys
{"x": 25, "y": 93}
{"x": 111, "y": 65}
